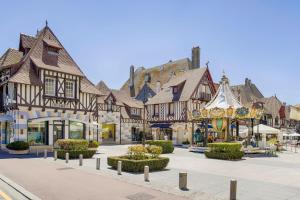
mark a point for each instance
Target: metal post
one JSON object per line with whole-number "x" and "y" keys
{"x": 45, "y": 153}
{"x": 146, "y": 173}
{"x": 55, "y": 155}
{"x": 37, "y": 152}
{"x": 98, "y": 163}
{"x": 80, "y": 159}
{"x": 206, "y": 133}
{"x": 67, "y": 157}
{"x": 233, "y": 186}
{"x": 119, "y": 167}
{"x": 183, "y": 180}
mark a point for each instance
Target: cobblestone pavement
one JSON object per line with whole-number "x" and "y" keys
{"x": 261, "y": 178}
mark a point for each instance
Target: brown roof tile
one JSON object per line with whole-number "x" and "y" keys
{"x": 10, "y": 57}
{"x": 189, "y": 79}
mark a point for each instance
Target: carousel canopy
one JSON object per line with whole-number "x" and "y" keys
{"x": 224, "y": 97}
{"x": 264, "y": 129}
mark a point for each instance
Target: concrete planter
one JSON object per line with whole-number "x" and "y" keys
{"x": 18, "y": 152}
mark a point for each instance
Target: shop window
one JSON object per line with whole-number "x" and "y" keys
{"x": 37, "y": 133}
{"x": 76, "y": 130}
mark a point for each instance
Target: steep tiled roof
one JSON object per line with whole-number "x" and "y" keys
{"x": 272, "y": 105}
{"x": 10, "y": 57}
{"x": 88, "y": 87}
{"x": 26, "y": 74}
{"x": 126, "y": 99}
{"x": 27, "y": 41}
{"x": 247, "y": 93}
{"x": 189, "y": 80}
{"x": 162, "y": 73}
{"x": 66, "y": 68}
{"x": 102, "y": 87}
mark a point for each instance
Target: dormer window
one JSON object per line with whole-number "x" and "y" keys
{"x": 175, "y": 89}
{"x": 50, "y": 85}
{"x": 53, "y": 51}
{"x": 70, "y": 89}
{"x": 135, "y": 112}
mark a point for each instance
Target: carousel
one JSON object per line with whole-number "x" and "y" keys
{"x": 223, "y": 113}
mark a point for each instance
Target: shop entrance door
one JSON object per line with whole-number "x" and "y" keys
{"x": 58, "y": 130}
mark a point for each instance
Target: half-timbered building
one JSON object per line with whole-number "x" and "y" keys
{"x": 167, "y": 111}
{"x": 121, "y": 118}
{"x": 43, "y": 93}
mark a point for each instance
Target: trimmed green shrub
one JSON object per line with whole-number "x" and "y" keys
{"x": 225, "y": 151}
{"x": 94, "y": 144}
{"x": 130, "y": 165}
{"x": 18, "y": 146}
{"x": 166, "y": 145}
{"x": 72, "y": 144}
{"x": 74, "y": 154}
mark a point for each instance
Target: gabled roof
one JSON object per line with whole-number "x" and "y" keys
{"x": 162, "y": 73}
{"x": 247, "y": 93}
{"x": 126, "y": 99}
{"x": 10, "y": 57}
{"x": 27, "y": 75}
{"x": 88, "y": 87}
{"x": 190, "y": 80}
{"x": 27, "y": 41}
{"x": 272, "y": 105}
{"x": 102, "y": 87}
{"x": 145, "y": 93}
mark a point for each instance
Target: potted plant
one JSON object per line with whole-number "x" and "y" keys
{"x": 18, "y": 147}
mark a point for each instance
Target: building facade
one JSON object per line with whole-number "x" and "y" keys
{"x": 44, "y": 94}
{"x": 167, "y": 111}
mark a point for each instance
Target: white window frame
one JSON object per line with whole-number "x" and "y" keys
{"x": 48, "y": 90}
{"x": 70, "y": 89}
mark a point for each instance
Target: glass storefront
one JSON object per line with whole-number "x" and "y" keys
{"x": 108, "y": 132}
{"x": 37, "y": 133}
{"x": 76, "y": 130}
{"x": 9, "y": 132}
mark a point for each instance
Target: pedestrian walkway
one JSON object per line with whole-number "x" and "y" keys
{"x": 49, "y": 180}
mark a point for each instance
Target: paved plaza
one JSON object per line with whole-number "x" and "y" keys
{"x": 263, "y": 178}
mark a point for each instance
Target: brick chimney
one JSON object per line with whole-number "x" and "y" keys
{"x": 131, "y": 81}
{"x": 195, "y": 57}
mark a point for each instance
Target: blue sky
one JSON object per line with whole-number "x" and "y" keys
{"x": 255, "y": 39}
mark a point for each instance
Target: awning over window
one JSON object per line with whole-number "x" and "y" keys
{"x": 160, "y": 125}
{"x": 4, "y": 118}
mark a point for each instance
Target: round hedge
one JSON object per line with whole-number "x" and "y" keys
{"x": 130, "y": 165}
{"x": 166, "y": 145}
{"x": 18, "y": 146}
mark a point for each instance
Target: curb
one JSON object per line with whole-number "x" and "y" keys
{"x": 19, "y": 188}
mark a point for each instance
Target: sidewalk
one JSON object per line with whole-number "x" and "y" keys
{"x": 49, "y": 180}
